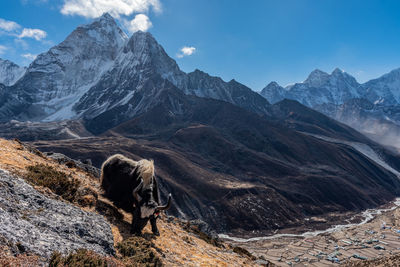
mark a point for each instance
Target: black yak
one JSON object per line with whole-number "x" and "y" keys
{"x": 132, "y": 186}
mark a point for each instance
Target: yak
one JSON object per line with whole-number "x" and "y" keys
{"x": 132, "y": 186}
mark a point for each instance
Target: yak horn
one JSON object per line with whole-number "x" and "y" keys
{"x": 159, "y": 208}
{"x": 134, "y": 192}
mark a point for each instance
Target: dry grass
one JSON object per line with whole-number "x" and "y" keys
{"x": 137, "y": 251}
{"x": 134, "y": 251}
{"x": 7, "y": 259}
{"x": 57, "y": 181}
{"x": 16, "y": 157}
{"x": 200, "y": 234}
{"x": 244, "y": 252}
{"x": 82, "y": 257}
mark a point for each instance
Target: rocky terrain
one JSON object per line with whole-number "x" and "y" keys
{"x": 37, "y": 224}
{"x": 43, "y": 225}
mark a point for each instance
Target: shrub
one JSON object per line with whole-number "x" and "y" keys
{"x": 244, "y": 252}
{"x": 59, "y": 182}
{"x": 136, "y": 251}
{"x": 202, "y": 235}
{"x": 82, "y": 257}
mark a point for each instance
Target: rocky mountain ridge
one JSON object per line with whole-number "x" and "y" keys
{"x": 372, "y": 107}
{"x": 10, "y": 72}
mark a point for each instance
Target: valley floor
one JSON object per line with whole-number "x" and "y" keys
{"x": 374, "y": 243}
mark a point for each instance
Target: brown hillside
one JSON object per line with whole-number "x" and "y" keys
{"x": 179, "y": 244}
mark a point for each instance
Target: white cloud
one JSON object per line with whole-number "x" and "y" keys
{"x": 95, "y": 8}
{"x": 29, "y": 56}
{"x": 186, "y": 51}
{"x": 141, "y": 22}
{"x": 8, "y": 25}
{"x": 37, "y": 34}
{"x": 12, "y": 28}
{"x": 2, "y": 49}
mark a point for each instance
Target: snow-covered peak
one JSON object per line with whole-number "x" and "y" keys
{"x": 337, "y": 71}
{"x": 273, "y": 84}
{"x": 105, "y": 17}
{"x": 10, "y": 72}
{"x": 273, "y": 92}
{"x": 341, "y": 74}
{"x": 391, "y": 76}
{"x": 102, "y": 29}
{"x": 142, "y": 42}
{"x": 385, "y": 89}
{"x": 58, "y": 78}
{"x": 316, "y": 78}
{"x": 319, "y": 88}
{"x": 143, "y": 51}
{"x": 338, "y": 77}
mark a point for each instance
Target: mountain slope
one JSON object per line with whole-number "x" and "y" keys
{"x": 35, "y": 224}
{"x": 10, "y": 72}
{"x": 221, "y": 161}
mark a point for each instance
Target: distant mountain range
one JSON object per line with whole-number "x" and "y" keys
{"x": 372, "y": 108}
{"x": 230, "y": 158}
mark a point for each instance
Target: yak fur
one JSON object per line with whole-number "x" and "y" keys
{"x": 120, "y": 176}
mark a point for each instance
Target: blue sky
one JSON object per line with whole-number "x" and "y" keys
{"x": 254, "y": 42}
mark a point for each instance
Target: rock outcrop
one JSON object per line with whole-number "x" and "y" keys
{"x": 41, "y": 225}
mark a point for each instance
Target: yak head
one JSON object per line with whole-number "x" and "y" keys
{"x": 144, "y": 196}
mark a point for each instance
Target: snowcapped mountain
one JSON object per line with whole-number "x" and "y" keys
{"x": 141, "y": 65}
{"x": 97, "y": 68}
{"x": 372, "y": 108}
{"x": 321, "y": 88}
{"x": 318, "y": 89}
{"x": 201, "y": 84}
{"x": 273, "y": 92}
{"x": 142, "y": 59}
{"x": 56, "y": 79}
{"x": 10, "y": 72}
{"x": 142, "y": 71}
{"x": 384, "y": 90}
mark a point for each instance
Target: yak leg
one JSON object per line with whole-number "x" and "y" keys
{"x": 153, "y": 222}
{"x": 137, "y": 223}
